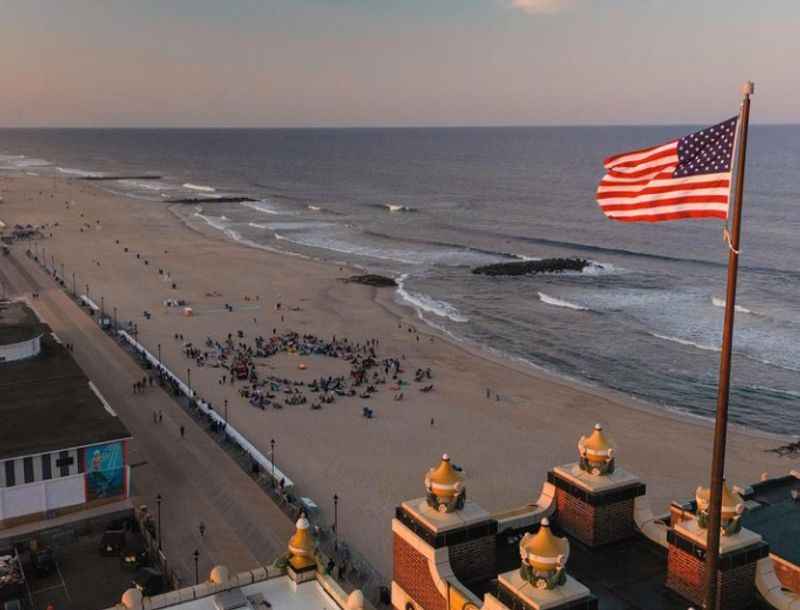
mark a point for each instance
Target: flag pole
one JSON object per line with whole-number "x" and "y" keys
{"x": 721, "y": 425}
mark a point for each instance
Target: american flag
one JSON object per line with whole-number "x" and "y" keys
{"x": 685, "y": 178}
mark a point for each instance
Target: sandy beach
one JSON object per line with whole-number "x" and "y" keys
{"x": 506, "y": 446}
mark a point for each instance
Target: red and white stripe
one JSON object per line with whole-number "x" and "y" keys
{"x": 640, "y": 187}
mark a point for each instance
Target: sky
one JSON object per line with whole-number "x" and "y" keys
{"x": 287, "y": 63}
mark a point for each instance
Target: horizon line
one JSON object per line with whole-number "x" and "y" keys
{"x": 389, "y": 126}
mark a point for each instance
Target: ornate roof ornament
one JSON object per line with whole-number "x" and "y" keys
{"x": 596, "y": 453}
{"x": 302, "y": 546}
{"x": 544, "y": 558}
{"x": 732, "y": 509}
{"x": 445, "y": 487}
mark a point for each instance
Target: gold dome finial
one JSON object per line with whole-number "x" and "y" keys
{"x": 445, "y": 487}
{"x": 731, "y": 510}
{"x": 544, "y": 557}
{"x": 596, "y": 453}
{"x": 302, "y": 546}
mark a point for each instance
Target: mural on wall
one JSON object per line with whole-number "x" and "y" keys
{"x": 105, "y": 474}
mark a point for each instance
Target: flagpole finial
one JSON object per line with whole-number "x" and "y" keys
{"x": 748, "y": 88}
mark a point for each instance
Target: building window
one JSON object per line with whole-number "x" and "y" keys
{"x": 10, "y": 479}
{"x": 27, "y": 467}
{"x": 47, "y": 472}
{"x": 63, "y": 462}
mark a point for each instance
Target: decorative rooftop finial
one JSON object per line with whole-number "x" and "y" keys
{"x": 544, "y": 557}
{"x": 302, "y": 546}
{"x": 732, "y": 509}
{"x": 445, "y": 487}
{"x": 596, "y": 453}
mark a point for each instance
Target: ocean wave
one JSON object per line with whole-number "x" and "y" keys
{"x": 549, "y": 300}
{"x": 423, "y": 302}
{"x": 262, "y": 206}
{"x": 217, "y": 222}
{"x": 721, "y": 303}
{"x": 147, "y": 186}
{"x": 255, "y": 225}
{"x": 394, "y": 207}
{"x": 314, "y": 208}
{"x": 199, "y": 187}
{"x": 707, "y": 348}
{"x": 344, "y": 247}
{"x": 769, "y": 390}
{"x": 82, "y": 173}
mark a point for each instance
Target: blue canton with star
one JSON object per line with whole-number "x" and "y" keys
{"x": 709, "y": 151}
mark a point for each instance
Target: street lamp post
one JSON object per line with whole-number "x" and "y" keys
{"x": 335, "y": 523}
{"x": 159, "y": 354}
{"x": 226, "y": 415}
{"x": 74, "y": 292}
{"x": 116, "y": 326}
{"x": 189, "y": 379}
{"x": 272, "y": 459}
{"x": 158, "y": 503}
{"x": 196, "y": 556}
{"x": 87, "y": 292}
{"x": 102, "y": 307}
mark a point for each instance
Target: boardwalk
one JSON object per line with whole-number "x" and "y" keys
{"x": 199, "y": 482}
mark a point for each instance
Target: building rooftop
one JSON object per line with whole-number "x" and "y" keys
{"x": 48, "y": 404}
{"x": 18, "y": 323}
{"x": 627, "y": 575}
{"x": 777, "y": 519}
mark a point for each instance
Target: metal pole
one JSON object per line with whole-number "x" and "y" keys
{"x": 159, "y": 354}
{"x": 272, "y": 459}
{"x": 102, "y": 307}
{"x": 196, "y": 555}
{"x": 116, "y": 326}
{"x": 189, "y": 379}
{"x": 721, "y": 425}
{"x": 226, "y": 415}
{"x": 74, "y": 291}
{"x": 87, "y": 291}
{"x": 158, "y": 502}
{"x": 335, "y": 523}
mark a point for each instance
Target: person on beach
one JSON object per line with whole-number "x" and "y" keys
{"x": 160, "y": 416}
{"x": 182, "y": 430}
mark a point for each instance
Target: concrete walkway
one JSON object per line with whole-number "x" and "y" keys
{"x": 199, "y": 482}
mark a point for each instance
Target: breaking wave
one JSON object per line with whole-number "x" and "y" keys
{"x": 423, "y": 302}
{"x": 547, "y": 299}
{"x": 199, "y": 187}
{"x": 721, "y": 303}
{"x": 261, "y": 206}
{"x": 707, "y": 348}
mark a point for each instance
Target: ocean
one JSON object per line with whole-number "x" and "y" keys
{"x": 427, "y": 205}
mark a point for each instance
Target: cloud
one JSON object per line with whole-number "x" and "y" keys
{"x": 539, "y": 7}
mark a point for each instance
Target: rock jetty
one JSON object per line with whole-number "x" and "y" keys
{"x": 370, "y": 279}
{"x": 545, "y": 265}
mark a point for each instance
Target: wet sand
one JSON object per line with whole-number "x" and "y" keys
{"x": 505, "y": 446}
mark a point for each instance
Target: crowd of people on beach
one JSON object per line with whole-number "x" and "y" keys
{"x": 238, "y": 358}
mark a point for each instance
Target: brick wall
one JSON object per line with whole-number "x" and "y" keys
{"x": 412, "y": 573}
{"x": 595, "y": 525}
{"x": 788, "y": 574}
{"x": 474, "y": 560}
{"x": 686, "y": 576}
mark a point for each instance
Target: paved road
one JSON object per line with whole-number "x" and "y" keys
{"x": 197, "y": 479}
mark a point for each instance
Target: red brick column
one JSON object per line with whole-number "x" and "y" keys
{"x": 686, "y": 571}
{"x": 595, "y": 519}
{"x": 412, "y": 572}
